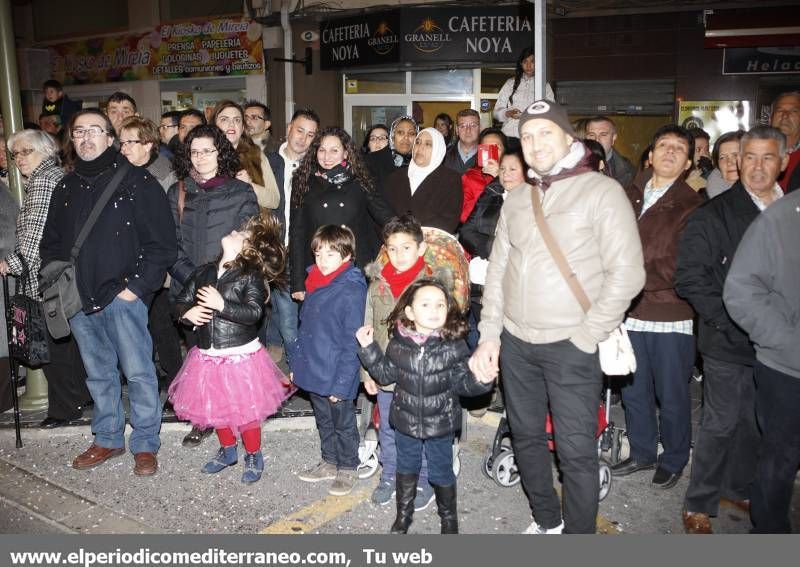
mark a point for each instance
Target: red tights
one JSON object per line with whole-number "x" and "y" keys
{"x": 251, "y": 438}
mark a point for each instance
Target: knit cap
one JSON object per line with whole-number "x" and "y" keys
{"x": 548, "y": 110}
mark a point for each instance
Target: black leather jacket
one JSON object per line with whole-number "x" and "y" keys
{"x": 429, "y": 377}
{"x": 237, "y": 323}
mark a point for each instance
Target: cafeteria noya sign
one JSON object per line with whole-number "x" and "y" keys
{"x": 415, "y": 35}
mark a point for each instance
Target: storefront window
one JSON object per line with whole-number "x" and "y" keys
{"x": 375, "y": 83}
{"x": 453, "y": 82}
{"x": 492, "y": 80}
{"x": 366, "y": 116}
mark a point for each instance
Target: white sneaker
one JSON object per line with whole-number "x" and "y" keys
{"x": 536, "y": 529}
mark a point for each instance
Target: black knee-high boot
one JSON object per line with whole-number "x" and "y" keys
{"x": 447, "y": 505}
{"x": 406, "y": 486}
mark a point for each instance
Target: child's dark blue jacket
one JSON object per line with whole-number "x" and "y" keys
{"x": 326, "y": 355}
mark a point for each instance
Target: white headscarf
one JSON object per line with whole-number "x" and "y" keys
{"x": 417, "y": 174}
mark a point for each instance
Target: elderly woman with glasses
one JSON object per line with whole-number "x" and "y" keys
{"x": 35, "y": 155}
{"x": 207, "y": 203}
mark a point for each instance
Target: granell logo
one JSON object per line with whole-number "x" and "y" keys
{"x": 383, "y": 40}
{"x": 428, "y": 37}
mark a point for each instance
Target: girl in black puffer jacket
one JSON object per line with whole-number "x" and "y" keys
{"x": 427, "y": 359}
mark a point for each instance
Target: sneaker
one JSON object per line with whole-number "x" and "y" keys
{"x": 384, "y": 492}
{"x": 536, "y": 529}
{"x": 323, "y": 471}
{"x": 344, "y": 483}
{"x": 425, "y": 495}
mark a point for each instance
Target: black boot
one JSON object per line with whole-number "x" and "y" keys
{"x": 406, "y": 487}
{"x": 448, "y": 510}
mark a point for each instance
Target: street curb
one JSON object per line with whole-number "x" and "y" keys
{"x": 59, "y": 507}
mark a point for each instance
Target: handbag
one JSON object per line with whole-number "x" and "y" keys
{"x": 27, "y": 339}
{"x": 616, "y": 352}
{"x": 60, "y": 297}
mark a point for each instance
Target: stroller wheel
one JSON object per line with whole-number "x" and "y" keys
{"x": 486, "y": 467}
{"x": 504, "y": 469}
{"x": 368, "y": 466}
{"x": 605, "y": 480}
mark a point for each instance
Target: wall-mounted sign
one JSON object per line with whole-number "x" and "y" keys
{"x": 205, "y": 48}
{"x": 494, "y": 34}
{"x": 761, "y": 60}
{"x": 715, "y": 116}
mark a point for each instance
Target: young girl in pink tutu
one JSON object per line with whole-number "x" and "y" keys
{"x": 228, "y": 381}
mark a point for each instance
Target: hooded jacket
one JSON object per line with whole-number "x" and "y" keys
{"x": 208, "y": 215}
{"x": 428, "y": 379}
{"x": 326, "y": 360}
{"x": 592, "y": 221}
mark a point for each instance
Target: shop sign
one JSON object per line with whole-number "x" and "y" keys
{"x": 206, "y": 48}
{"x": 427, "y": 35}
{"x": 761, "y": 60}
{"x": 714, "y": 116}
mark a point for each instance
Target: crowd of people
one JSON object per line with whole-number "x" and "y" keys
{"x": 218, "y": 239}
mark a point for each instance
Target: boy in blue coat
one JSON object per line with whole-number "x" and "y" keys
{"x": 326, "y": 361}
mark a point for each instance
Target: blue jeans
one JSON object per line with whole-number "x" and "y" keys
{"x": 338, "y": 432}
{"x": 438, "y": 450}
{"x": 283, "y": 320}
{"x": 117, "y": 337}
{"x": 387, "y": 442}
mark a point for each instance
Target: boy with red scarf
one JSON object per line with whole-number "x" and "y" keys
{"x": 325, "y": 362}
{"x": 405, "y": 247}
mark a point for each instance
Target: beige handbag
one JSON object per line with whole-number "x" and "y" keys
{"x": 616, "y": 352}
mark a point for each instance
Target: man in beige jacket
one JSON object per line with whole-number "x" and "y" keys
{"x": 549, "y": 345}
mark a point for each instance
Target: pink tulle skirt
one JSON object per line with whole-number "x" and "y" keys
{"x": 228, "y": 391}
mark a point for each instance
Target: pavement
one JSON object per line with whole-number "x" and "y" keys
{"x": 40, "y": 493}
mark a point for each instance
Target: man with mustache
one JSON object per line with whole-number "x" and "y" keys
{"x": 659, "y": 322}
{"x": 120, "y": 266}
{"x": 786, "y": 118}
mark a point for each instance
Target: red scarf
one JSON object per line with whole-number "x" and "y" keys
{"x": 316, "y": 279}
{"x": 399, "y": 281}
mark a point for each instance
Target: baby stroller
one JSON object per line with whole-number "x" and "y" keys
{"x": 446, "y": 256}
{"x": 500, "y": 466}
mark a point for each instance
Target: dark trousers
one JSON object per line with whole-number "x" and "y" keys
{"x": 663, "y": 370}
{"x": 166, "y": 341}
{"x": 778, "y": 412}
{"x": 66, "y": 379}
{"x": 338, "y": 432}
{"x": 569, "y": 380}
{"x": 438, "y": 452}
{"x": 726, "y": 448}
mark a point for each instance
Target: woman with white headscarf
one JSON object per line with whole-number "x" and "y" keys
{"x": 426, "y": 188}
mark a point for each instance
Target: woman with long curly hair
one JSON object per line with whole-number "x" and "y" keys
{"x": 517, "y": 94}
{"x": 207, "y": 203}
{"x": 255, "y": 170}
{"x": 333, "y": 186}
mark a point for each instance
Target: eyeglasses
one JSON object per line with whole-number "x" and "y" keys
{"x": 253, "y": 117}
{"x": 378, "y": 138}
{"x": 90, "y": 132}
{"x": 24, "y": 153}
{"x": 469, "y": 126}
{"x": 205, "y": 153}
{"x": 123, "y": 143}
